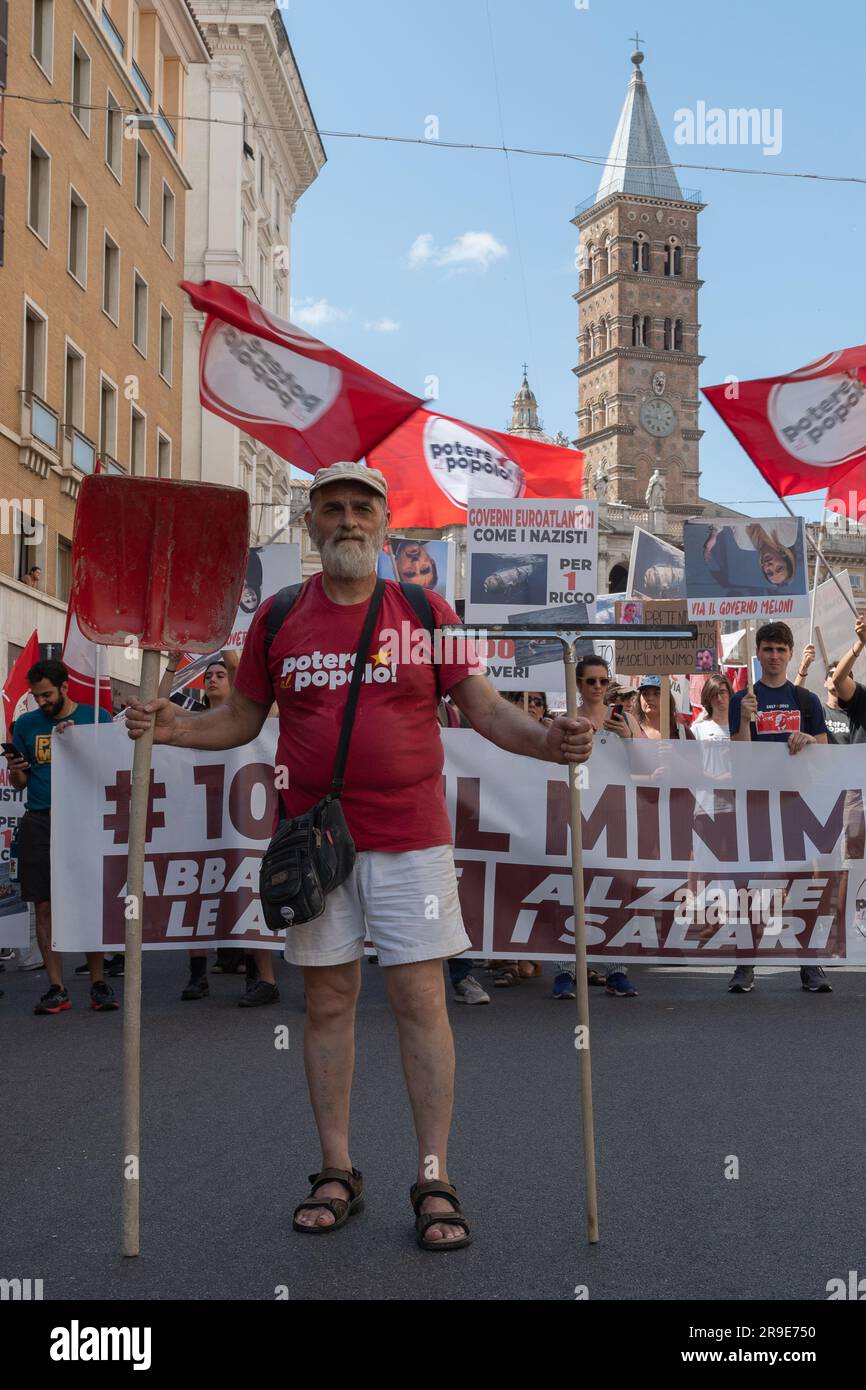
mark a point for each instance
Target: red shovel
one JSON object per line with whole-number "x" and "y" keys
{"x": 157, "y": 565}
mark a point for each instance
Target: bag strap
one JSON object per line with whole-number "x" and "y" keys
{"x": 284, "y": 601}
{"x": 355, "y": 687}
{"x": 804, "y": 700}
{"x": 423, "y": 608}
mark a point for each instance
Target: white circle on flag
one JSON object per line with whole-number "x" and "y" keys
{"x": 462, "y": 463}
{"x": 260, "y": 382}
{"x": 820, "y": 420}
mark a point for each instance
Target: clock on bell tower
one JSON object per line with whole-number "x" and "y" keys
{"x": 638, "y": 355}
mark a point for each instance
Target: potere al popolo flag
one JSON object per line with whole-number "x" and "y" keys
{"x": 805, "y": 430}
{"x": 433, "y": 463}
{"x": 17, "y": 685}
{"x": 303, "y": 399}
{"x": 83, "y": 659}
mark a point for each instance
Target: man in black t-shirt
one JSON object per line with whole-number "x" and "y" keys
{"x": 851, "y": 695}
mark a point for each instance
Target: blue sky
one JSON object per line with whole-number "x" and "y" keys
{"x": 780, "y": 258}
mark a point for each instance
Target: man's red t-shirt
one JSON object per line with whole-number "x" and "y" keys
{"x": 393, "y": 798}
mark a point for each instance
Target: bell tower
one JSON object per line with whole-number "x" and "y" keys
{"x": 638, "y": 356}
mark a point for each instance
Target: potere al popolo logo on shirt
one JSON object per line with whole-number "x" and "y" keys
{"x": 261, "y": 381}
{"x": 821, "y": 420}
{"x": 462, "y": 462}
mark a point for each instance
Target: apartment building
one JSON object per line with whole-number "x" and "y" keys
{"x": 251, "y": 154}
{"x": 92, "y": 252}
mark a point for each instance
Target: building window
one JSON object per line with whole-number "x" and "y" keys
{"x": 647, "y": 332}
{"x": 107, "y": 418}
{"x": 77, "y": 261}
{"x": 81, "y": 85}
{"x": 166, "y": 340}
{"x": 142, "y": 180}
{"x": 137, "y": 442}
{"x": 678, "y": 335}
{"x": 64, "y": 569}
{"x": 640, "y": 260}
{"x": 608, "y": 251}
{"x": 278, "y": 210}
{"x": 111, "y": 278}
{"x": 168, "y": 207}
{"x": 42, "y": 46}
{"x": 262, "y": 174}
{"x": 262, "y": 277}
{"x": 673, "y": 260}
{"x": 39, "y": 192}
{"x": 163, "y": 455}
{"x": 35, "y": 335}
{"x": 114, "y": 136}
{"x": 73, "y": 404}
{"x": 139, "y": 314}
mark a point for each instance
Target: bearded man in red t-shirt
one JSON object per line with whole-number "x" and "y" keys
{"x": 395, "y": 809}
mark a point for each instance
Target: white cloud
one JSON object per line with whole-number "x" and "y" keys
{"x": 315, "y": 313}
{"x": 421, "y": 250}
{"x": 469, "y": 250}
{"x": 381, "y": 326}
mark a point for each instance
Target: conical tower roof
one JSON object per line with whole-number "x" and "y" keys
{"x": 638, "y": 161}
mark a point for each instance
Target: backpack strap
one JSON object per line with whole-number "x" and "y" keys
{"x": 804, "y": 700}
{"x": 423, "y": 610}
{"x": 284, "y": 601}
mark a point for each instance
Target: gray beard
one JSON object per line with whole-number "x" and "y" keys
{"x": 350, "y": 559}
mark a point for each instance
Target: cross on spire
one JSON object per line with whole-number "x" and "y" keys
{"x": 636, "y": 40}
{"x": 525, "y": 369}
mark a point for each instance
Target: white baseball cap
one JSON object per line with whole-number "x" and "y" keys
{"x": 351, "y": 473}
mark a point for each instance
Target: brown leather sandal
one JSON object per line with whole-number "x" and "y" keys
{"x": 507, "y": 976}
{"x": 417, "y": 1193}
{"x": 339, "y": 1207}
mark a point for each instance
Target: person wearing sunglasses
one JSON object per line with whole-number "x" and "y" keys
{"x": 593, "y": 679}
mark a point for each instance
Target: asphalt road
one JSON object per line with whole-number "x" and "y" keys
{"x": 685, "y": 1077}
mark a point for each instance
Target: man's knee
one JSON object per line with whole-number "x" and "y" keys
{"x": 331, "y": 992}
{"x": 417, "y": 991}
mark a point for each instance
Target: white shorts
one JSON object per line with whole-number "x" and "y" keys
{"x": 407, "y": 902}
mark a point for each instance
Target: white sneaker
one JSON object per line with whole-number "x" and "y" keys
{"x": 469, "y": 991}
{"x": 31, "y": 962}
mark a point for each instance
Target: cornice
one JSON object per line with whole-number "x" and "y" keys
{"x": 632, "y": 276}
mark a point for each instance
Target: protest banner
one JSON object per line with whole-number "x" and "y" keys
{"x": 746, "y": 569}
{"x": 530, "y": 563}
{"x": 665, "y": 657}
{"x": 656, "y": 569}
{"x": 833, "y": 617}
{"x": 427, "y": 563}
{"x": 773, "y": 874}
{"x": 14, "y": 915}
{"x": 269, "y": 568}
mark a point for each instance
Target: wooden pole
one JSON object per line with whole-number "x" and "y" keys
{"x": 665, "y": 707}
{"x": 750, "y": 684}
{"x": 822, "y": 649}
{"x": 822, "y": 557}
{"x": 582, "y": 1037}
{"x": 814, "y": 597}
{"x": 131, "y": 1156}
{"x": 526, "y": 702}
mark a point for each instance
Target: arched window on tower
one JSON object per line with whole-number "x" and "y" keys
{"x": 669, "y": 336}
{"x": 673, "y": 260}
{"x": 585, "y": 345}
{"x": 602, "y": 412}
{"x": 647, "y": 332}
{"x": 636, "y": 331}
{"x": 678, "y": 335}
{"x": 590, "y": 257}
{"x": 608, "y": 251}
{"x": 640, "y": 254}
{"x": 607, "y": 335}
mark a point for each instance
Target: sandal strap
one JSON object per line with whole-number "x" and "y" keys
{"x": 335, "y": 1205}
{"x": 352, "y": 1181}
{"x": 419, "y": 1191}
{"x": 440, "y": 1218}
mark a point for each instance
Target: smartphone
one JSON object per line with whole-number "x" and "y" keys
{"x": 11, "y": 751}
{"x": 617, "y": 709}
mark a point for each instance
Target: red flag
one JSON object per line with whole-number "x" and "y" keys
{"x": 81, "y": 657}
{"x": 433, "y": 463}
{"x": 297, "y": 395}
{"x": 16, "y": 682}
{"x": 804, "y": 430}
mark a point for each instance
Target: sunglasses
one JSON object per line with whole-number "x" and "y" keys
{"x": 535, "y": 700}
{"x": 595, "y": 680}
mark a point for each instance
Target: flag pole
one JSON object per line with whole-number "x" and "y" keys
{"x": 814, "y": 596}
{"x": 821, "y": 556}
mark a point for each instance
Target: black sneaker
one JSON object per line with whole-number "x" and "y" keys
{"x": 259, "y": 993}
{"x": 813, "y": 979}
{"x": 198, "y": 988}
{"x": 54, "y": 1001}
{"x": 742, "y": 980}
{"x": 115, "y": 967}
{"x": 82, "y": 969}
{"x": 102, "y": 998}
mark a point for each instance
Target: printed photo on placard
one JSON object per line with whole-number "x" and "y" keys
{"x": 656, "y": 569}
{"x": 427, "y": 563}
{"x": 502, "y": 579}
{"x": 754, "y": 569}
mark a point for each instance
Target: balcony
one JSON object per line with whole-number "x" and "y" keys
{"x": 112, "y": 33}
{"x": 166, "y": 129}
{"x": 40, "y": 435}
{"x": 110, "y": 465}
{"x": 683, "y": 195}
{"x": 141, "y": 84}
{"x": 79, "y": 458}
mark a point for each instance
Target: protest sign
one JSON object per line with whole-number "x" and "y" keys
{"x": 665, "y": 657}
{"x": 746, "y": 569}
{"x": 269, "y": 568}
{"x": 771, "y": 873}
{"x": 14, "y": 915}
{"x": 427, "y": 563}
{"x": 656, "y": 569}
{"x": 836, "y": 623}
{"x": 530, "y": 563}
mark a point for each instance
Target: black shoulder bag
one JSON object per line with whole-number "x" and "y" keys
{"x": 314, "y": 853}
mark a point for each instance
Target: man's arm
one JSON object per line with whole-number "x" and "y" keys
{"x": 231, "y": 725}
{"x": 563, "y": 741}
{"x": 842, "y": 678}
{"x": 745, "y": 711}
{"x": 805, "y": 662}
